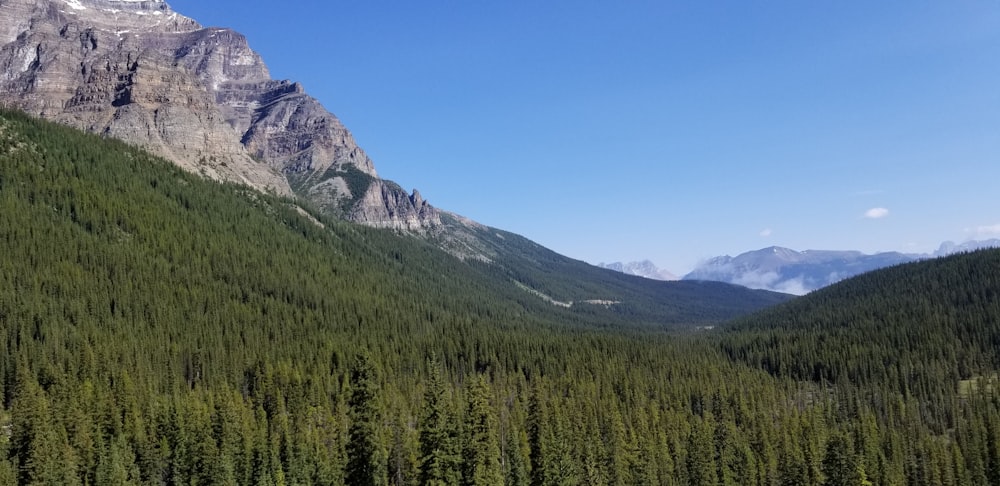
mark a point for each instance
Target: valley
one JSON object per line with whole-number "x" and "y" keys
{"x": 160, "y": 328}
{"x": 204, "y": 280}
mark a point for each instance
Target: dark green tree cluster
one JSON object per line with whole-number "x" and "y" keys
{"x": 156, "y": 328}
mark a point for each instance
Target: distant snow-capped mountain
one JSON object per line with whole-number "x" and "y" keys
{"x": 794, "y": 272}
{"x": 949, "y": 247}
{"x": 644, "y": 268}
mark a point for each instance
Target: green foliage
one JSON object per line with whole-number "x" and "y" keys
{"x": 156, "y": 328}
{"x": 481, "y": 451}
{"x": 439, "y": 459}
{"x": 366, "y": 456}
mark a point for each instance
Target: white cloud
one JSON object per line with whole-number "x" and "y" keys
{"x": 769, "y": 280}
{"x": 987, "y": 230}
{"x": 794, "y": 286}
{"x": 766, "y": 232}
{"x": 876, "y": 213}
{"x": 757, "y": 280}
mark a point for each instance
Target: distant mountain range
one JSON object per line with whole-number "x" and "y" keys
{"x": 644, "y": 268}
{"x": 794, "y": 272}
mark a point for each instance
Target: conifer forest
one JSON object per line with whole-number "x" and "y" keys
{"x": 157, "y": 328}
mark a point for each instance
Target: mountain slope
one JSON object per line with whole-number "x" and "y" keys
{"x": 162, "y": 328}
{"x": 941, "y": 315}
{"x": 200, "y": 97}
{"x": 102, "y": 192}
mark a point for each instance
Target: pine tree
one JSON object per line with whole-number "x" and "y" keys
{"x": 438, "y": 443}
{"x": 366, "y": 456}
{"x": 517, "y": 470}
{"x": 481, "y": 451}
{"x": 35, "y": 442}
{"x": 537, "y": 422}
{"x": 840, "y": 465}
{"x": 701, "y": 470}
{"x": 117, "y": 467}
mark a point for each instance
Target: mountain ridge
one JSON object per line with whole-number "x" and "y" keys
{"x": 644, "y": 268}
{"x": 799, "y": 272}
{"x": 198, "y": 96}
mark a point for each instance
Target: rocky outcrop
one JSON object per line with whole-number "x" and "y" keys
{"x": 201, "y": 97}
{"x": 406, "y": 212}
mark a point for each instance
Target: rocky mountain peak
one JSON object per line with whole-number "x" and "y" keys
{"x": 201, "y": 97}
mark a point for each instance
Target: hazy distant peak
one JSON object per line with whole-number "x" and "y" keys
{"x": 644, "y": 268}
{"x": 950, "y": 247}
{"x": 799, "y": 272}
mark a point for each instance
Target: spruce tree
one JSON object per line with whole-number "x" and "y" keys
{"x": 840, "y": 465}
{"x": 438, "y": 443}
{"x": 701, "y": 468}
{"x": 481, "y": 451}
{"x": 366, "y": 456}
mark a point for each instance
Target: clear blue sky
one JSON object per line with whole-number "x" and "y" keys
{"x": 667, "y": 130}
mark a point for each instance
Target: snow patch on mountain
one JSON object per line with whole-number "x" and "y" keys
{"x": 645, "y": 268}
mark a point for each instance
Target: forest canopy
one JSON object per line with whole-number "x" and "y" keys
{"x": 158, "y": 328}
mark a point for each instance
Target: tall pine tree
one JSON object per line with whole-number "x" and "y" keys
{"x": 481, "y": 454}
{"x": 438, "y": 441}
{"x": 366, "y": 456}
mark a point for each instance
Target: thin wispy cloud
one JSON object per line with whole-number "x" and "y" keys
{"x": 876, "y": 213}
{"x": 986, "y": 230}
{"x": 766, "y": 233}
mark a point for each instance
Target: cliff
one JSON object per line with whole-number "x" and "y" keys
{"x": 201, "y": 97}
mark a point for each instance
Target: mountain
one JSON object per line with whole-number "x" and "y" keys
{"x": 645, "y": 268}
{"x": 794, "y": 272}
{"x": 160, "y": 328}
{"x": 82, "y": 176}
{"x": 950, "y": 247}
{"x": 200, "y": 97}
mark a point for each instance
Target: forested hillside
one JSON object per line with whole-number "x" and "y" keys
{"x": 161, "y": 329}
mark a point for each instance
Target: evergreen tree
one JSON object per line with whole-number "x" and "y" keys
{"x": 481, "y": 450}
{"x": 537, "y": 421}
{"x": 35, "y": 443}
{"x": 517, "y": 470}
{"x": 366, "y": 456}
{"x": 117, "y": 466}
{"x": 701, "y": 470}
{"x": 840, "y": 465}
{"x": 438, "y": 441}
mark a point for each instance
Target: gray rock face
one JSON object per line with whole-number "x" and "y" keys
{"x": 138, "y": 71}
{"x": 406, "y": 212}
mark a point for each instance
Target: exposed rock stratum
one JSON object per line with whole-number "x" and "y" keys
{"x": 201, "y": 97}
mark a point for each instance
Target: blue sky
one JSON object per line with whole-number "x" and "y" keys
{"x": 673, "y": 131}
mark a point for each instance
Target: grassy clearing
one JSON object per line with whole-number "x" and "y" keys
{"x": 973, "y": 385}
